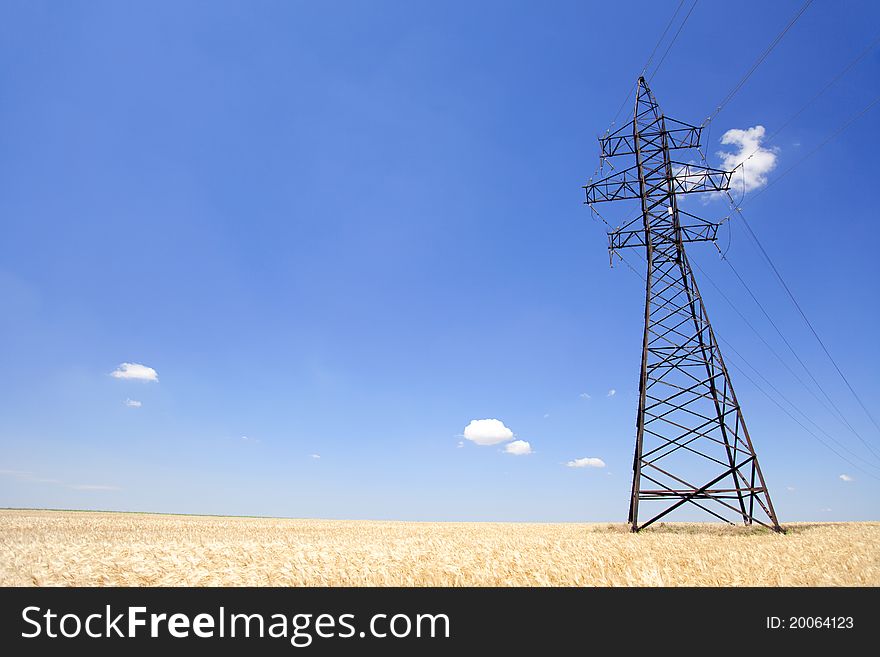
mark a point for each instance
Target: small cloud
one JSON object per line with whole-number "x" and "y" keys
{"x": 316, "y": 456}
{"x": 826, "y": 509}
{"x": 132, "y": 403}
{"x": 754, "y": 161}
{"x": 15, "y": 473}
{"x": 585, "y": 395}
{"x": 846, "y": 477}
{"x": 791, "y": 489}
{"x": 135, "y": 371}
{"x": 487, "y": 432}
{"x": 24, "y": 475}
{"x": 460, "y": 444}
{"x": 611, "y": 392}
{"x": 586, "y": 462}
{"x": 546, "y": 415}
{"x": 248, "y": 439}
{"x": 518, "y": 448}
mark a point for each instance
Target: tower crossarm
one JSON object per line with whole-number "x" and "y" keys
{"x": 693, "y": 178}
{"x": 692, "y": 227}
{"x": 686, "y": 179}
{"x": 678, "y": 135}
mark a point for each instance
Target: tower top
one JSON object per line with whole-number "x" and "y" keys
{"x": 648, "y": 134}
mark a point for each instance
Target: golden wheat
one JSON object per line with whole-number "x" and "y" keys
{"x": 46, "y": 548}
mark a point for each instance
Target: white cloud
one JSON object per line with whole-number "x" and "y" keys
{"x": 15, "y": 473}
{"x": 585, "y": 395}
{"x": 132, "y": 403}
{"x": 518, "y": 448}
{"x": 790, "y": 488}
{"x": 586, "y": 462}
{"x": 546, "y": 415}
{"x": 846, "y": 477}
{"x": 487, "y": 432}
{"x": 23, "y": 475}
{"x": 756, "y": 160}
{"x": 612, "y": 392}
{"x": 135, "y": 371}
{"x": 316, "y": 456}
{"x": 460, "y": 444}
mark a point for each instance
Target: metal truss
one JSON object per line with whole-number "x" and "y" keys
{"x": 692, "y": 444}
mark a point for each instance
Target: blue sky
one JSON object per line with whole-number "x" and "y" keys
{"x": 348, "y": 229}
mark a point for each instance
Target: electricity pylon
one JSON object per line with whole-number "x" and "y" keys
{"x": 692, "y": 445}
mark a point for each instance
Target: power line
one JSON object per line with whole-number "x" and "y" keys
{"x": 626, "y": 262}
{"x": 648, "y": 62}
{"x": 840, "y": 417}
{"x": 798, "y": 358}
{"x": 757, "y": 63}
{"x": 794, "y": 406}
{"x": 770, "y": 262}
{"x": 836, "y": 412}
{"x": 671, "y": 43}
{"x": 738, "y": 209}
{"x": 824, "y": 143}
{"x": 830, "y": 84}
{"x": 785, "y": 410}
{"x": 635, "y": 85}
{"x": 622, "y": 105}
{"x": 812, "y": 100}
{"x": 801, "y": 424}
{"x": 662, "y": 36}
{"x": 766, "y": 256}
{"x": 764, "y": 340}
{"x": 809, "y": 323}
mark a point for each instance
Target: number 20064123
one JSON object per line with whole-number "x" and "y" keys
{"x": 810, "y": 623}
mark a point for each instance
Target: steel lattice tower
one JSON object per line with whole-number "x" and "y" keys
{"x": 692, "y": 445}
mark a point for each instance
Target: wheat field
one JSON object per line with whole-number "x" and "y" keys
{"x": 72, "y": 548}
